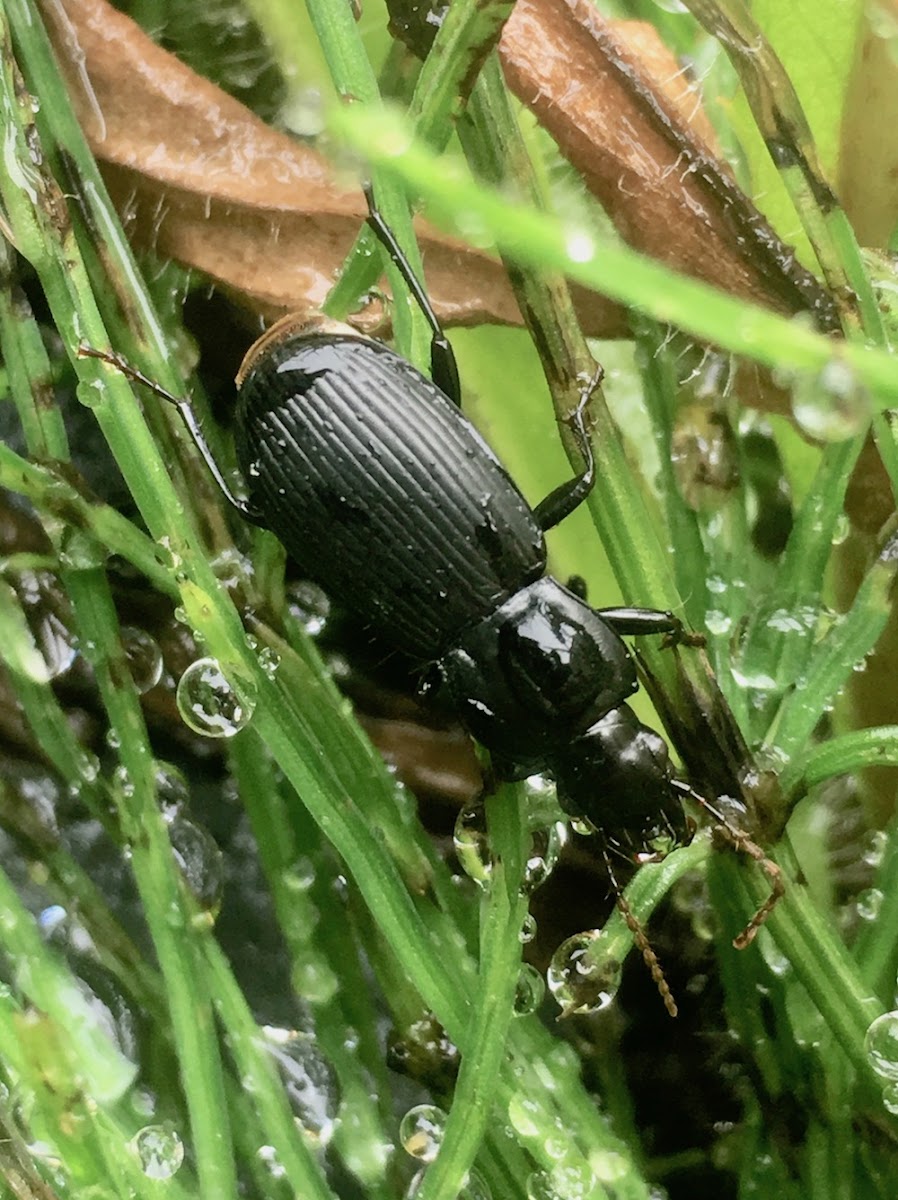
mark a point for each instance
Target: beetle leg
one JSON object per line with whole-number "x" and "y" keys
{"x": 188, "y": 416}
{"x": 638, "y": 622}
{"x": 561, "y": 502}
{"x": 443, "y": 366}
{"x": 742, "y": 843}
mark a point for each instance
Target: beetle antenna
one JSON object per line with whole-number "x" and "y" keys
{"x": 742, "y": 843}
{"x": 643, "y": 945}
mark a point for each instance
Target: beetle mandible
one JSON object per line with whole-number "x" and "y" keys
{"x": 384, "y": 493}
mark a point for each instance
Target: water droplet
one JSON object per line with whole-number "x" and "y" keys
{"x": 718, "y": 623}
{"x": 526, "y": 1116}
{"x": 609, "y": 1166}
{"x": 268, "y": 1156}
{"x": 874, "y": 854}
{"x": 881, "y": 1045}
{"x": 421, "y": 1131}
{"x": 841, "y": 529}
{"x": 47, "y": 611}
{"x": 475, "y": 854}
{"x": 545, "y": 847}
{"x": 309, "y": 1082}
{"x": 51, "y": 919}
{"x": 208, "y": 703}
{"x": 144, "y": 658}
{"x": 172, "y": 791}
{"x": 583, "y": 975}
{"x": 567, "y": 1181}
{"x": 472, "y": 844}
{"x": 314, "y": 981}
{"x": 159, "y": 1149}
{"x": 580, "y": 246}
{"x": 269, "y": 660}
{"x": 869, "y": 904}
{"x": 424, "y": 1052}
{"x": 531, "y": 988}
{"x": 890, "y": 1098}
{"x": 528, "y": 929}
{"x": 308, "y": 605}
{"x": 833, "y": 405}
{"x": 200, "y": 861}
{"x": 300, "y": 876}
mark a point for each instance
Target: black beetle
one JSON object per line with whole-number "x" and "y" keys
{"x": 386, "y": 495}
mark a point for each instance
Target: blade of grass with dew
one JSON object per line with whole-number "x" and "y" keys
{"x": 844, "y": 755}
{"x": 501, "y": 916}
{"x": 258, "y": 1072}
{"x": 875, "y": 949}
{"x": 832, "y": 661}
{"x": 453, "y": 199}
{"x": 324, "y": 969}
{"x": 775, "y": 656}
{"x": 158, "y": 882}
{"x": 467, "y": 26}
{"x": 354, "y": 77}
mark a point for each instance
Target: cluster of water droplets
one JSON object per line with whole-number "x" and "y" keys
{"x": 421, "y": 1133}
{"x": 475, "y": 854}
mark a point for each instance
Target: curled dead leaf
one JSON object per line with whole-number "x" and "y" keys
{"x": 206, "y": 182}
{"x": 630, "y": 120}
{"x": 202, "y": 180}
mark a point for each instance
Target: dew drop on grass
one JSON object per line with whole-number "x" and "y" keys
{"x": 144, "y": 658}
{"x": 308, "y": 1080}
{"x": 472, "y": 844}
{"x": 869, "y": 904}
{"x": 567, "y": 1181}
{"x": 159, "y": 1149}
{"x": 881, "y": 1045}
{"x": 209, "y": 705}
{"x": 832, "y": 405}
{"x": 200, "y": 862}
{"x": 529, "y": 992}
{"x": 890, "y": 1098}
{"x": 421, "y": 1131}
{"x": 583, "y": 976}
{"x": 309, "y": 606}
{"x": 528, "y": 929}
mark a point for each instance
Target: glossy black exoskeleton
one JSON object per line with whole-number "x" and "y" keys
{"x": 386, "y": 495}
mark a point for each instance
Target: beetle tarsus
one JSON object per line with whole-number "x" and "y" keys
{"x": 563, "y": 500}
{"x": 742, "y": 843}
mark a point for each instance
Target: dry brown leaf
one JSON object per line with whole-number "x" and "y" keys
{"x": 628, "y": 119}
{"x": 207, "y": 183}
